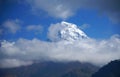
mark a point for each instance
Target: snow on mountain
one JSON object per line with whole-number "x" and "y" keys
{"x": 65, "y": 31}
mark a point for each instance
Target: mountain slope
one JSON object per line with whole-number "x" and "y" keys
{"x": 110, "y": 70}
{"x": 50, "y": 69}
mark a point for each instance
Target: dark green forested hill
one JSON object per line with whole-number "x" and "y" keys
{"x": 51, "y": 69}
{"x": 110, "y": 70}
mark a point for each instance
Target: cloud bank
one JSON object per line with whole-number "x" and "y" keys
{"x": 25, "y": 52}
{"x": 65, "y": 9}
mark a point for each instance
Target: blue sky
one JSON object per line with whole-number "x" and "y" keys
{"x": 99, "y": 24}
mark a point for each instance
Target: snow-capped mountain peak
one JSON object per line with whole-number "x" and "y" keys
{"x": 66, "y": 31}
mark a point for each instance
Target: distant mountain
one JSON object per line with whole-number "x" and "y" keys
{"x": 51, "y": 69}
{"x": 65, "y": 31}
{"x": 110, "y": 70}
{"x": 71, "y": 32}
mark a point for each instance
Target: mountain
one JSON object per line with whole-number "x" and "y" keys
{"x": 65, "y": 31}
{"x": 71, "y": 32}
{"x": 51, "y": 69}
{"x": 110, "y": 70}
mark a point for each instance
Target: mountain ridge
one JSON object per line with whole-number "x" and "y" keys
{"x": 50, "y": 69}
{"x": 112, "y": 69}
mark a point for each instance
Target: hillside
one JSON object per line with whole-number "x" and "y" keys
{"x": 110, "y": 70}
{"x": 51, "y": 69}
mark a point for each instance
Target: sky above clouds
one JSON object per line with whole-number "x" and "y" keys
{"x": 27, "y": 27}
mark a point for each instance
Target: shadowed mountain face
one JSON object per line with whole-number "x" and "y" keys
{"x": 110, "y": 70}
{"x": 51, "y": 69}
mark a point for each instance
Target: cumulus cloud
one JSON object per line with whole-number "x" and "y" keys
{"x": 64, "y": 9}
{"x": 25, "y": 52}
{"x": 36, "y": 28}
{"x": 54, "y": 8}
{"x": 92, "y": 51}
{"x": 11, "y": 25}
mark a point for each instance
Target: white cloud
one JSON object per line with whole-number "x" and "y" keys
{"x": 24, "y": 51}
{"x": 59, "y": 9}
{"x": 9, "y": 63}
{"x": 36, "y": 28}
{"x": 84, "y": 26}
{"x": 92, "y": 51}
{"x": 64, "y": 9}
{"x": 11, "y": 25}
